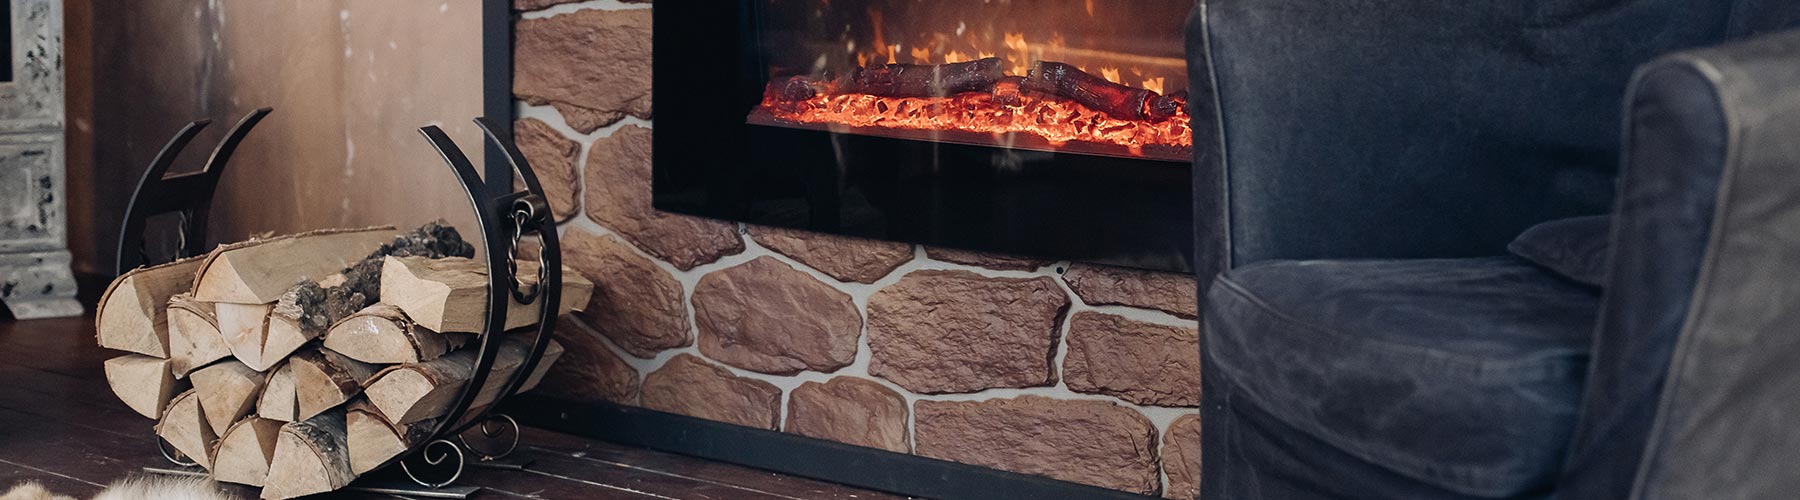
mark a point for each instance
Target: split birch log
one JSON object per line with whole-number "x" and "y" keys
{"x": 284, "y": 335}
{"x": 309, "y": 458}
{"x": 259, "y": 271}
{"x": 186, "y": 430}
{"x": 382, "y": 334}
{"x": 324, "y": 379}
{"x": 194, "y": 338}
{"x": 243, "y": 453}
{"x": 450, "y": 294}
{"x": 410, "y": 393}
{"x": 245, "y": 327}
{"x": 373, "y": 441}
{"x": 131, "y": 316}
{"x": 227, "y": 392}
{"x": 144, "y": 383}
{"x": 277, "y": 401}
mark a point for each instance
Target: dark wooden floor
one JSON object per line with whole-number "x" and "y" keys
{"x": 60, "y": 425}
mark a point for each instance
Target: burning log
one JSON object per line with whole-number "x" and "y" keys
{"x": 1009, "y": 91}
{"x": 986, "y": 75}
{"x": 923, "y": 80}
{"x": 1099, "y": 94}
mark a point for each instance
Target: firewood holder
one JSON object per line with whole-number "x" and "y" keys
{"x": 505, "y": 217}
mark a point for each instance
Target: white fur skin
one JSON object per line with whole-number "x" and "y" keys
{"x": 135, "y": 488}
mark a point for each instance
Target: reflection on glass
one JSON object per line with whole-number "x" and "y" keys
{"x": 1094, "y": 76}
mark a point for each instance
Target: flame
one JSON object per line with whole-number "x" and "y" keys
{"x": 1111, "y": 75}
{"x": 1019, "y": 54}
{"x": 875, "y": 20}
{"x": 1154, "y": 84}
{"x": 921, "y": 55}
{"x": 1056, "y": 120}
{"x": 1016, "y": 42}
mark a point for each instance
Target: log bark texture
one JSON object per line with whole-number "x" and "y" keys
{"x": 311, "y": 456}
{"x": 144, "y": 383}
{"x": 259, "y": 271}
{"x": 243, "y": 453}
{"x": 194, "y": 338}
{"x": 450, "y": 295}
{"x": 131, "y": 315}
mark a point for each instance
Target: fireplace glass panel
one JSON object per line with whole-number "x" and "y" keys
{"x": 1094, "y": 76}
{"x": 1055, "y": 129}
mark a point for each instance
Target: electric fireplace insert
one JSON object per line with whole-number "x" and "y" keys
{"x": 1046, "y": 128}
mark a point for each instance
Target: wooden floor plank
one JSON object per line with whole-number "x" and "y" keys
{"x": 13, "y": 474}
{"x": 655, "y": 485}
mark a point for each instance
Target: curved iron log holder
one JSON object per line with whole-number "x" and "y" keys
{"x": 505, "y": 218}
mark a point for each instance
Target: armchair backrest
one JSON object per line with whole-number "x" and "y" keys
{"x": 1693, "y": 384}
{"x": 1419, "y": 128}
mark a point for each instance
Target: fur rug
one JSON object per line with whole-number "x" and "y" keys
{"x": 136, "y": 488}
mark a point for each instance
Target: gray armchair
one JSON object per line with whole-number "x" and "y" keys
{"x": 1373, "y": 339}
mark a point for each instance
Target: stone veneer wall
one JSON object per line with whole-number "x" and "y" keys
{"x": 1077, "y": 372}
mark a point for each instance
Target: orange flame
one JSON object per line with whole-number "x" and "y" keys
{"x": 1154, "y": 84}
{"x": 1056, "y": 120}
{"x": 921, "y": 55}
{"x": 1111, "y": 74}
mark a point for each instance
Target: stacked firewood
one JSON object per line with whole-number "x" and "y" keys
{"x": 297, "y": 363}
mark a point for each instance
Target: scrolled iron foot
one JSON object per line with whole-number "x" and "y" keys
{"x": 174, "y": 457}
{"x": 433, "y": 467}
{"x": 497, "y": 428}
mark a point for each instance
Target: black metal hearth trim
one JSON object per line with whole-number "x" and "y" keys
{"x": 496, "y": 86}
{"x": 857, "y": 466}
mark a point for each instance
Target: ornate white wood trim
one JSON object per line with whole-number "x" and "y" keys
{"x": 35, "y": 281}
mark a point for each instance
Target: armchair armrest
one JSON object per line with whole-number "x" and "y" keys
{"x": 1419, "y": 128}
{"x": 1696, "y": 365}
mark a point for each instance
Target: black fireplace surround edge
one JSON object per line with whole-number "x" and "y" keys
{"x": 857, "y": 466}
{"x": 868, "y": 468}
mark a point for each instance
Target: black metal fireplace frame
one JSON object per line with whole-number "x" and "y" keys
{"x": 709, "y": 162}
{"x": 898, "y": 473}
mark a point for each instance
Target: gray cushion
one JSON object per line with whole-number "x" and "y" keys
{"x": 1575, "y": 248}
{"x": 1461, "y": 373}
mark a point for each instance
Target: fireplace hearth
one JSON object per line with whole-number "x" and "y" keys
{"x": 1045, "y": 128}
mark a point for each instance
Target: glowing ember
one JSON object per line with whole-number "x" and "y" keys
{"x": 973, "y": 83}
{"x": 1056, "y": 120}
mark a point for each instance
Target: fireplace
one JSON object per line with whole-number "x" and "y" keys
{"x": 1045, "y": 128}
